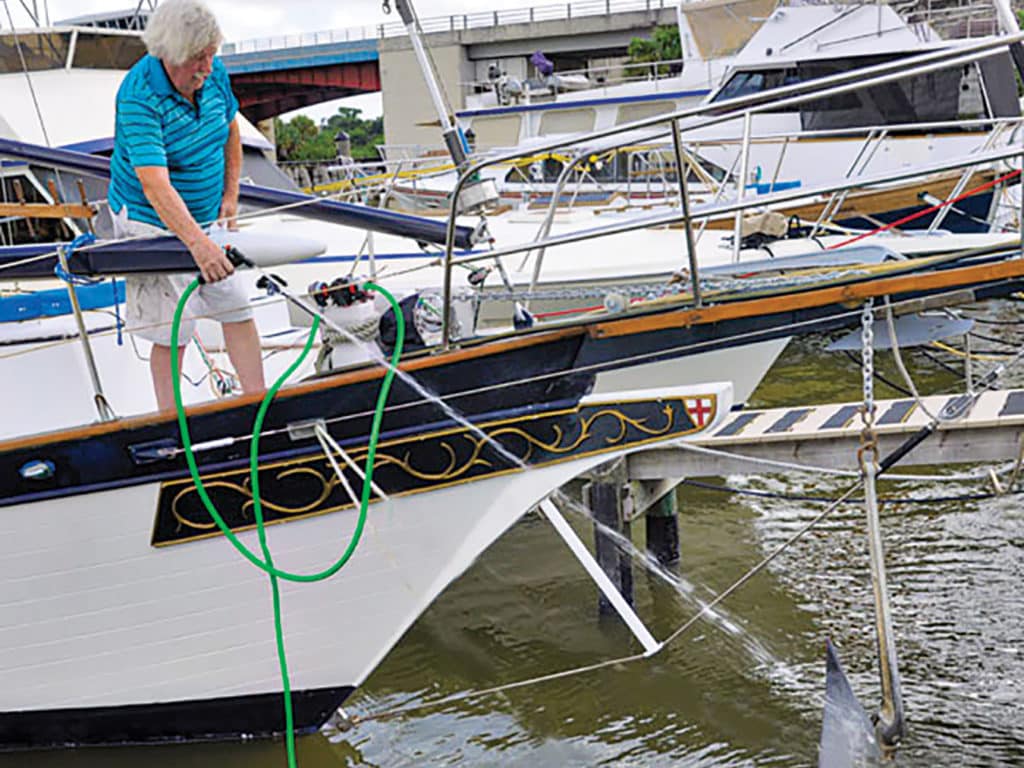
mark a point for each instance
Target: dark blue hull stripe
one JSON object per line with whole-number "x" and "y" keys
{"x": 224, "y": 719}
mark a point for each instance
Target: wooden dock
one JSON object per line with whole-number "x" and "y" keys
{"x": 828, "y": 436}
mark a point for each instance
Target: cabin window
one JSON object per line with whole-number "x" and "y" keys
{"x": 749, "y": 82}
{"x": 493, "y": 132}
{"x": 999, "y": 81}
{"x": 107, "y": 51}
{"x": 41, "y": 51}
{"x": 932, "y": 97}
{"x": 567, "y": 121}
{"x": 629, "y": 113}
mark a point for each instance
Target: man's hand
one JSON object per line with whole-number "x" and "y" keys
{"x": 213, "y": 263}
{"x": 210, "y": 258}
{"x": 229, "y": 213}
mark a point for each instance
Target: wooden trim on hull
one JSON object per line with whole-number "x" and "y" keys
{"x": 224, "y": 719}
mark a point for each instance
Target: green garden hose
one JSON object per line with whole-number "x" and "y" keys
{"x": 266, "y": 563}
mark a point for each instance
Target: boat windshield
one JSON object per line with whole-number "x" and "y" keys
{"x": 51, "y": 49}
{"x": 978, "y": 90}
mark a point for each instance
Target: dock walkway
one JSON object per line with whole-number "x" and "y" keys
{"x": 828, "y": 436}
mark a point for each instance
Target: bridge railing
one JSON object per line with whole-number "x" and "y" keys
{"x": 451, "y": 23}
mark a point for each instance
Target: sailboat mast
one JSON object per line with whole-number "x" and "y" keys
{"x": 454, "y": 139}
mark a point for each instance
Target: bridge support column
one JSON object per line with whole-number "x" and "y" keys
{"x": 266, "y": 127}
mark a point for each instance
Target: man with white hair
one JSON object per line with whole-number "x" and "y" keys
{"x": 176, "y": 165}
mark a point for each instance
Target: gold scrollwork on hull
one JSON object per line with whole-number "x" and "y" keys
{"x": 416, "y": 464}
{"x": 325, "y": 478}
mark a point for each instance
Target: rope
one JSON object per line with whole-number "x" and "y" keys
{"x": 954, "y": 351}
{"x": 898, "y": 357}
{"x": 266, "y": 564}
{"x": 69, "y": 277}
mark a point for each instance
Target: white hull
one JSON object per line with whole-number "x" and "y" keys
{"x": 94, "y": 616}
{"x": 743, "y": 366}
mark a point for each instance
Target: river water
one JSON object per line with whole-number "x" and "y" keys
{"x": 744, "y": 690}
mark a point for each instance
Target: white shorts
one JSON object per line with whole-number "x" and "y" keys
{"x": 152, "y": 299}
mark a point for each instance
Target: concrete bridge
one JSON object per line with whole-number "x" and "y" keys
{"x": 275, "y": 75}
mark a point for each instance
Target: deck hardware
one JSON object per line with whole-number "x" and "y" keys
{"x": 305, "y": 430}
{"x": 157, "y": 450}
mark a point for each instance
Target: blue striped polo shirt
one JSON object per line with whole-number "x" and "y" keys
{"x": 156, "y": 125}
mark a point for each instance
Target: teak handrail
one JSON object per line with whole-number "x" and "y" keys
{"x": 48, "y": 210}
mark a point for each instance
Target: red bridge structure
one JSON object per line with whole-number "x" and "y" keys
{"x": 271, "y": 82}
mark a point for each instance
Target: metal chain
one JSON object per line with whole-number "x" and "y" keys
{"x": 653, "y": 289}
{"x": 868, "y": 438}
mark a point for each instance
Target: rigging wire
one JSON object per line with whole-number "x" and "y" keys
{"x": 28, "y": 77}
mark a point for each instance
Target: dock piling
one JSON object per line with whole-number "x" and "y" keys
{"x": 604, "y": 496}
{"x": 656, "y": 501}
{"x": 662, "y": 520}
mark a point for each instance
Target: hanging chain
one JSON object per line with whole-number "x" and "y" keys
{"x": 386, "y": 7}
{"x": 868, "y": 439}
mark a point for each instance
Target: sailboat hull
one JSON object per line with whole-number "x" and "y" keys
{"x": 128, "y": 618}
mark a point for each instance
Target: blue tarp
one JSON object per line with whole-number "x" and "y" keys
{"x": 56, "y": 302}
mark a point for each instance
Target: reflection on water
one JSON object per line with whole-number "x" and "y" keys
{"x": 746, "y": 690}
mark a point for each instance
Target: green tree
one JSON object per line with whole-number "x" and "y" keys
{"x": 300, "y": 139}
{"x": 294, "y": 136}
{"x": 663, "y": 45}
